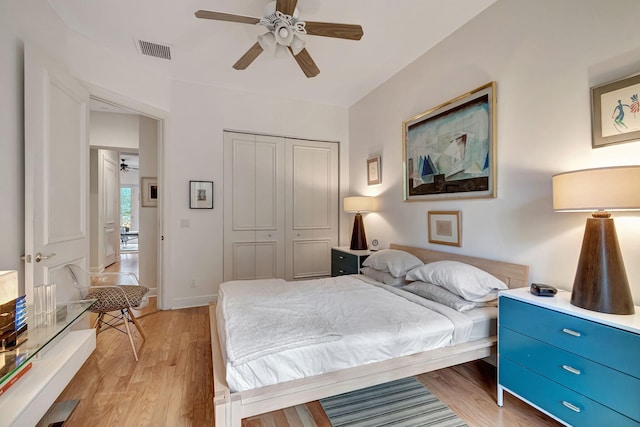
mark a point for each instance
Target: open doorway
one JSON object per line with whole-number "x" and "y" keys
{"x": 129, "y": 203}
{"x": 130, "y": 140}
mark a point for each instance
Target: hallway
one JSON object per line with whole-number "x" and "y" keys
{"x": 128, "y": 264}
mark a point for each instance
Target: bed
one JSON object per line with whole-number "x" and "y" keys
{"x": 261, "y": 396}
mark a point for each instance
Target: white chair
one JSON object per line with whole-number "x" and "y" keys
{"x": 113, "y": 292}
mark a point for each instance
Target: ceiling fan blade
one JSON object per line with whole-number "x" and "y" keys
{"x": 286, "y": 6}
{"x": 304, "y": 60}
{"x": 219, "y": 16}
{"x": 246, "y": 59}
{"x": 339, "y": 31}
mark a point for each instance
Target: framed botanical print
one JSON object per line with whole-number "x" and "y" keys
{"x": 373, "y": 171}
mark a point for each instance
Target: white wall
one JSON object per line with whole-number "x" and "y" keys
{"x": 193, "y": 237}
{"x": 148, "y": 240}
{"x": 114, "y": 130}
{"x": 544, "y": 56}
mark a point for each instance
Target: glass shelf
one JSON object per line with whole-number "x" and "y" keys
{"x": 40, "y": 332}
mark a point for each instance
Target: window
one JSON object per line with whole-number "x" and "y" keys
{"x": 125, "y": 207}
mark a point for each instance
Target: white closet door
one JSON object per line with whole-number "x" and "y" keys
{"x": 254, "y": 229}
{"x": 311, "y": 207}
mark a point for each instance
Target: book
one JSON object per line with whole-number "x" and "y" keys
{"x": 15, "y": 378}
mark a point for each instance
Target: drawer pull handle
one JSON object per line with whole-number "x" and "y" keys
{"x": 341, "y": 257}
{"x": 571, "y": 332}
{"x": 571, "y": 369}
{"x": 573, "y": 407}
{"x": 341, "y": 271}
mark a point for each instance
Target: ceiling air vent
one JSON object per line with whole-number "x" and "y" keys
{"x": 154, "y": 49}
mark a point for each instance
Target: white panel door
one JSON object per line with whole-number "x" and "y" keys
{"x": 56, "y": 174}
{"x": 109, "y": 206}
{"x": 311, "y": 207}
{"x": 253, "y": 200}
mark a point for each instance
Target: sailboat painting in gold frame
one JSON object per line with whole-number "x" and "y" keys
{"x": 449, "y": 151}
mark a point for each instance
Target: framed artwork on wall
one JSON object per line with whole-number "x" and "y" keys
{"x": 615, "y": 112}
{"x": 201, "y": 194}
{"x": 374, "y": 175}
{"x": 449, "y": 151}
{"x": 444, "y": 227}
{"x": 149, "y": 189}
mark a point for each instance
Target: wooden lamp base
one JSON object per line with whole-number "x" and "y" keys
{"x": 601, "y": 280}
{"x": 358, "y": 237}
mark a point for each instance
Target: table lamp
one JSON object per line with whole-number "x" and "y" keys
{"x": 358, "y": 204}
{"x": 601, "y": 281}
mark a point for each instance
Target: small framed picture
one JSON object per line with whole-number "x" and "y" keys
{"x": 201, "y": 194}
{"x": 149, "y": 189}
{"x": 373, "y": 171}
{"x": 614, "y": 112}
{"x": 444, "y": 228}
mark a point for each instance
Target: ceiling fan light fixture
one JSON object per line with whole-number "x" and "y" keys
{"x": 281, "y": 51}
{"x": 283, "y": 34}
{"x": 297, "y": 44}
{"x": 267, "y": 41}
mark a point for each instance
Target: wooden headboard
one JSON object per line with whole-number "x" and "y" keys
{"x": 514, "y": 275}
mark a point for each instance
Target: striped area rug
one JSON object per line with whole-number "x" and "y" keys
{"x": 400, "y": 403}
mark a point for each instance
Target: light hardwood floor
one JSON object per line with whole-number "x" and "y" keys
{"x": 171, "y": 384}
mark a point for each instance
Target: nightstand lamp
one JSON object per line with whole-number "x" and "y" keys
{"x": 358, "y": 205}
{"x": 601, "y": 281}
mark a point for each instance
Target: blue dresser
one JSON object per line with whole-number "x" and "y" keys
{"x": 581, "y": 367}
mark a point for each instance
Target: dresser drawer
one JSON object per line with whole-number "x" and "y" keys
{"x": 566, "y": 404}
{"x": 588, "y": 339}
{"x": 344, "y": 263}
{"x": 612, "y": 388}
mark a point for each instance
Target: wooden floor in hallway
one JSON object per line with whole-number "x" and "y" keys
{"x": 129, "y": 263}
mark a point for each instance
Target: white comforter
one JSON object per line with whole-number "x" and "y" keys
{"x": 273, "y": 331}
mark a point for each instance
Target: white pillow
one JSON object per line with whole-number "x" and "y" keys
{"x": 439, "y": 294}
{"x": 462, "y": 279}
{"x": 383, "y": 276}
{"x": 392, "y": 261}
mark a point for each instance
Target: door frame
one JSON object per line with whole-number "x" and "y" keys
{"x": 162, "y": 118}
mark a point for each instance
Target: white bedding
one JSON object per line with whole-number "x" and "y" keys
{"x": 354, "y": 321}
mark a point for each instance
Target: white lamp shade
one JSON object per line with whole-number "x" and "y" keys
{"x": 359, "y": 204}
{"x": 297, "y": 44}
{"x": 614, "y": 188}
{"x": 267, "y": 41}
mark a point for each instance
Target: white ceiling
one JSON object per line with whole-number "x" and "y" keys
{"x": 396, "y": 32}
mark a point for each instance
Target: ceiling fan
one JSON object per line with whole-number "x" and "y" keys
{"x": 125, "y": 167}
{"x": 284, "y": 30}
